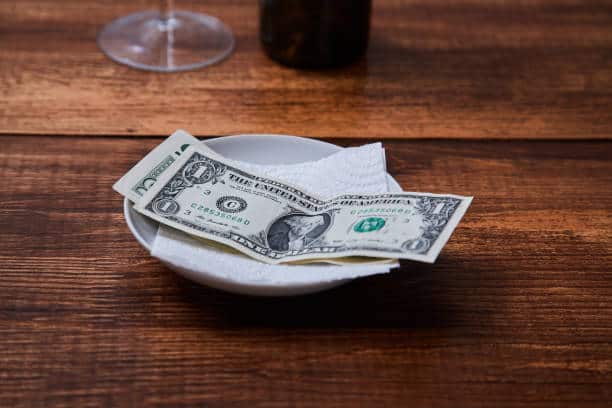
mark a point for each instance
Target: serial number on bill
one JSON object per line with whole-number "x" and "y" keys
{"x": 218, "y": 214}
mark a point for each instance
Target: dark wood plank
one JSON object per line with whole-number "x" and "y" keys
{"x": 516, "y": 313}
{"x": 443, "y": 68}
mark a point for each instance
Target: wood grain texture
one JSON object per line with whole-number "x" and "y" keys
{"x": 435, "y": 69}
{"x": 516, "y": 312}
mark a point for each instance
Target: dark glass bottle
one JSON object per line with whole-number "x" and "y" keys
{"x": 315, "y": 33}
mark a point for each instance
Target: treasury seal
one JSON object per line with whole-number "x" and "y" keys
{"x": 231, "y": 204}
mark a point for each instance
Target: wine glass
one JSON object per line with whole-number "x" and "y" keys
{"x": 166, "y": 40}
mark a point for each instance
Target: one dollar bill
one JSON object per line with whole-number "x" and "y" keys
{"x": 204, "y": 195}
{"x": 145, "y": 173}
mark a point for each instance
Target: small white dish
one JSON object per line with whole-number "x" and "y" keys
{"x": 258, "y": 149}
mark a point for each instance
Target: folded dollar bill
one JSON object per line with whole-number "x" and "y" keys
{"x": 201, "y": 193}
{"x": 145, "y": 173}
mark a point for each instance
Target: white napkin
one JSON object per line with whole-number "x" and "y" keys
{"x": 360, "y": 170}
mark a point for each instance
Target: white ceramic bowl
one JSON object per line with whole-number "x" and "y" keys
{"x": 259, "y": 149}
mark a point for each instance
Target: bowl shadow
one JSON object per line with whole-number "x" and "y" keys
{"x": 408, "y": 297}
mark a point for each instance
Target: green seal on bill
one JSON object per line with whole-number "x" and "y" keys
{"x": 369, "y": 224}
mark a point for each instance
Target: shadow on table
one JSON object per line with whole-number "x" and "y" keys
{"x": 408, "y": 297}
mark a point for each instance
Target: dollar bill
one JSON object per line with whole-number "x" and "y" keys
{"x": 145, "y": 173}
{"x": 202, "y": 194}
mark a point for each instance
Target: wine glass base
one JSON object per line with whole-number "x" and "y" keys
{"x": 183, "y": 42}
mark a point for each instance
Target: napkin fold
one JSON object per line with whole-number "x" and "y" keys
{"x": 356, "y": 170}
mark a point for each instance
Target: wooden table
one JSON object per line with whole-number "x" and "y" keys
{"x": 515, "y": 313}
{"x": 435, "y": 68}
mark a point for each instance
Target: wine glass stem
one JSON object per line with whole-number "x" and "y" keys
{"x": 166, "y": 12}
{"x": 166, "y": 9}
